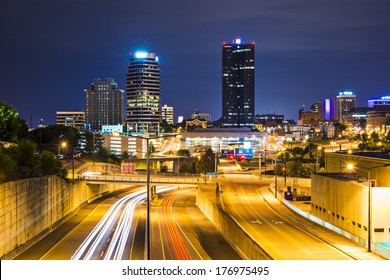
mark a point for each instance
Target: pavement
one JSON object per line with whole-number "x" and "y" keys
{"x": 352, "y": 249}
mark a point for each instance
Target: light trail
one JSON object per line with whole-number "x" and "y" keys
{"x": 176, "y": 245}
{"x": 113, "y": 230}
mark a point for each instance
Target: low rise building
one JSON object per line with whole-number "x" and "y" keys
{"x": 75, "y": 119}
{"x": 341, "y": 196}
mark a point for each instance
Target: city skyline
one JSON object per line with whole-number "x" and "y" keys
{"x": 305, "y": 51}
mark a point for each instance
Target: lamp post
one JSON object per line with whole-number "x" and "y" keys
{"x": 148, "y": 154}
{"x": 73, "y": 164}
{"x": 276, "y": 180}
{"x": 260, "y": 164}
{"x": 368, "y": 169}
{"x": 62, "y": 145}
{"x": 316, "y": 167}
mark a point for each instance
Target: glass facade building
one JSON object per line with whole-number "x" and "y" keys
{"x": 238, "y": 84}
{"x": 143, "y": 112}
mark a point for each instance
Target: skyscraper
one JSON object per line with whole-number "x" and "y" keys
{"x": 238, "y": 84}
{"x": 143, "y": 92}
{"x": 346, "y": 100}
{"x": 104, "y": 104}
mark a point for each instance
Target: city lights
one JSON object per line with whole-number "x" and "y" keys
{"x": 141, "y": 54}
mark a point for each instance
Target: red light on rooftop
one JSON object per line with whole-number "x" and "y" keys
{"x": 253, "y": 42}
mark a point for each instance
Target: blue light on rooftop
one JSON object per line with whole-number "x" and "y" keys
{"x": 141, "y": 54}
{"x": 346, "y": 93}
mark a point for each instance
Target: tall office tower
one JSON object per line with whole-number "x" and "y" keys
{"x": 346, "y": 100}
{"x": 167, "y": 114}
{"x": 143, "y": 93}
{"x": 238, "y": 84}
{"x": 104, "y": 104}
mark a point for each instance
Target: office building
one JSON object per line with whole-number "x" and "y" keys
{"x": 75, "y": 119}
{"x": 167, "y": 113}
{"x": 346, "y": 100}
{"x": 104, "y": 104}
{"x": 143, "y": 93}
{"x": 382, "y": 101}
{"x": 327, "y": 109}
{"x": 200, "y": 115}
{"x": 238, "y": 84}
{"x": 357, "y": 118}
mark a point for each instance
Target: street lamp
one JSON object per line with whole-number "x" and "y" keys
{"x": 318, "y": 149}
{"x": 148, "y": 154}
{"x": 276, "y": 180}
{"x": 62, "y": 145}
{"x": 368, "y": 169}
{"x": 260, "y": 164}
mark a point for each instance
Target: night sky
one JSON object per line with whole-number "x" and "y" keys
{"x": 306, "y": 50}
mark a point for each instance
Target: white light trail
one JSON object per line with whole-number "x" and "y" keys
{"x": 114, "y": 229}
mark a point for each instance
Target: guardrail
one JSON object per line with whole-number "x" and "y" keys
{"x": 142, "y": 179}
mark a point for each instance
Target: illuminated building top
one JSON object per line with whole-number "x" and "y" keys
{"x": 346, "y": 93}
{"x": 383, "y": 101}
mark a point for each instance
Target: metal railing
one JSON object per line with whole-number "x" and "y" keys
{"x": 143, "y": 179}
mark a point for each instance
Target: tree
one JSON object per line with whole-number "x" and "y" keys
{"x": 310, "y": 152}
{"x": 28, "y": 164}
{"x": 49, "y": 138}
{"x": 206, "y": 162}
{"x": 297, "y": 152}
{"x": 125, "y": 155}
{"x": 7, "y": 166}
{"x": 9, "y": 123}
{"x": 183, "y": 153}
{"x": 339, "y": 128}
{"x": 186, "y": 168}
{"x": 51, "y": 166}
{"x": 165, "y": 127}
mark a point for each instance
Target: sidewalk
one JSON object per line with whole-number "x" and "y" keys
{"x": 350, "y": 248}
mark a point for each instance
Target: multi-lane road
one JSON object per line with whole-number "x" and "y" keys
{"x": 281, "y": 239}
{"x": 115, "y": 229}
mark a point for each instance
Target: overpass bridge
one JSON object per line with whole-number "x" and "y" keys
{"x": 136, "y": 179}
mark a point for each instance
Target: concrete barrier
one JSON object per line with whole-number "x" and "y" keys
{"x": 207, "y": 199}
{"x": 32, "y": 208}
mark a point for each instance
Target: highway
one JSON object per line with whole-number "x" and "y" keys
{"x": 180, "y": 231}
{"x": 115, "y": 230}
{"x": 281, "y": 239}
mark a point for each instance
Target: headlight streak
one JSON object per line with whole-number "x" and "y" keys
{"x": 110, "y": 225}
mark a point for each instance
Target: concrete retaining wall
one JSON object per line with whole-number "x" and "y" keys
{"x": 31, "y": 208}
{"x": 207, "y": 200}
